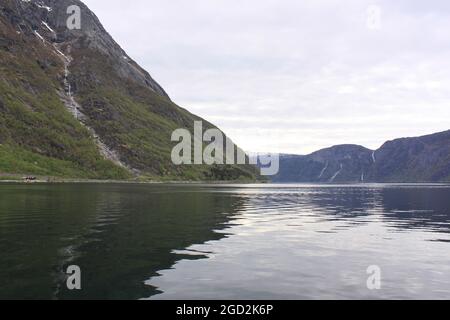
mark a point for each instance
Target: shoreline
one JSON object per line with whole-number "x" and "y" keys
{"x": 96, "y": 181}
{"x": 259, "y": 183}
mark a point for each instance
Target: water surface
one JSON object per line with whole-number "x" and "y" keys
{"x": 224, "y": 241}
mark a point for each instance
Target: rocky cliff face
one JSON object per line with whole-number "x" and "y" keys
{"x": 336, "y": 164}
{"x": 73, "y": 103}
{"x": 421, "y": 159}
{"x": 48, "y": 19}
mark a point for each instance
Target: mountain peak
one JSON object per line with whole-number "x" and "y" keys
{"x": 46, "y": 20}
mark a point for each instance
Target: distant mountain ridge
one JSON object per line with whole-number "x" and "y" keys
{"x": 419, "y": 159}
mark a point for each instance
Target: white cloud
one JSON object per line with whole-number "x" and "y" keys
{"x": 295, "y": 76}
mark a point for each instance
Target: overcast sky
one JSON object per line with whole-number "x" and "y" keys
{"x": 295, "y": 76}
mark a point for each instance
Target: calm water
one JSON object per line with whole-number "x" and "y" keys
{"x": 224, "y": 242}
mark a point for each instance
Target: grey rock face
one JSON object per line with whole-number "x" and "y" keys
{"x": 48, "y": 19}
{"x": 336, "y": 164}
{"x": 421, "y": 159}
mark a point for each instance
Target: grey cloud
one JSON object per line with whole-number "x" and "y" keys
{"x": 305, "y": 62}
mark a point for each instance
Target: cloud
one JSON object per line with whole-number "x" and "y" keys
{"x": 295, "y": 76}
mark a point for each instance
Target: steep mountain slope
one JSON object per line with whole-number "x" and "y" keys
{"x": 421, "y": 159}
{"x": 73, "y": 103}
{"x": 336, "y": 164}
{"x": 424, "y": 159}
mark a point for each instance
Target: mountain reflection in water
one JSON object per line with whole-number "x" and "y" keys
{"x": 224, "y": 241}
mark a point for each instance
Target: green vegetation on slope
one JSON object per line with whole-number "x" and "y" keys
{"x": 16, "y": 159}
{"x": 40, "y": 136}
{"x": 37, "y": 133}
{"x": 138, "y": 123}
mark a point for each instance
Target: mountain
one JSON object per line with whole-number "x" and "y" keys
{"x": 74, "y": 104}
{"x": 335, "y": 164}
{"x": 420, "y": 159}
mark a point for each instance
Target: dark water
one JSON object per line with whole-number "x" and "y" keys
{"x": 224, "y": 242}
